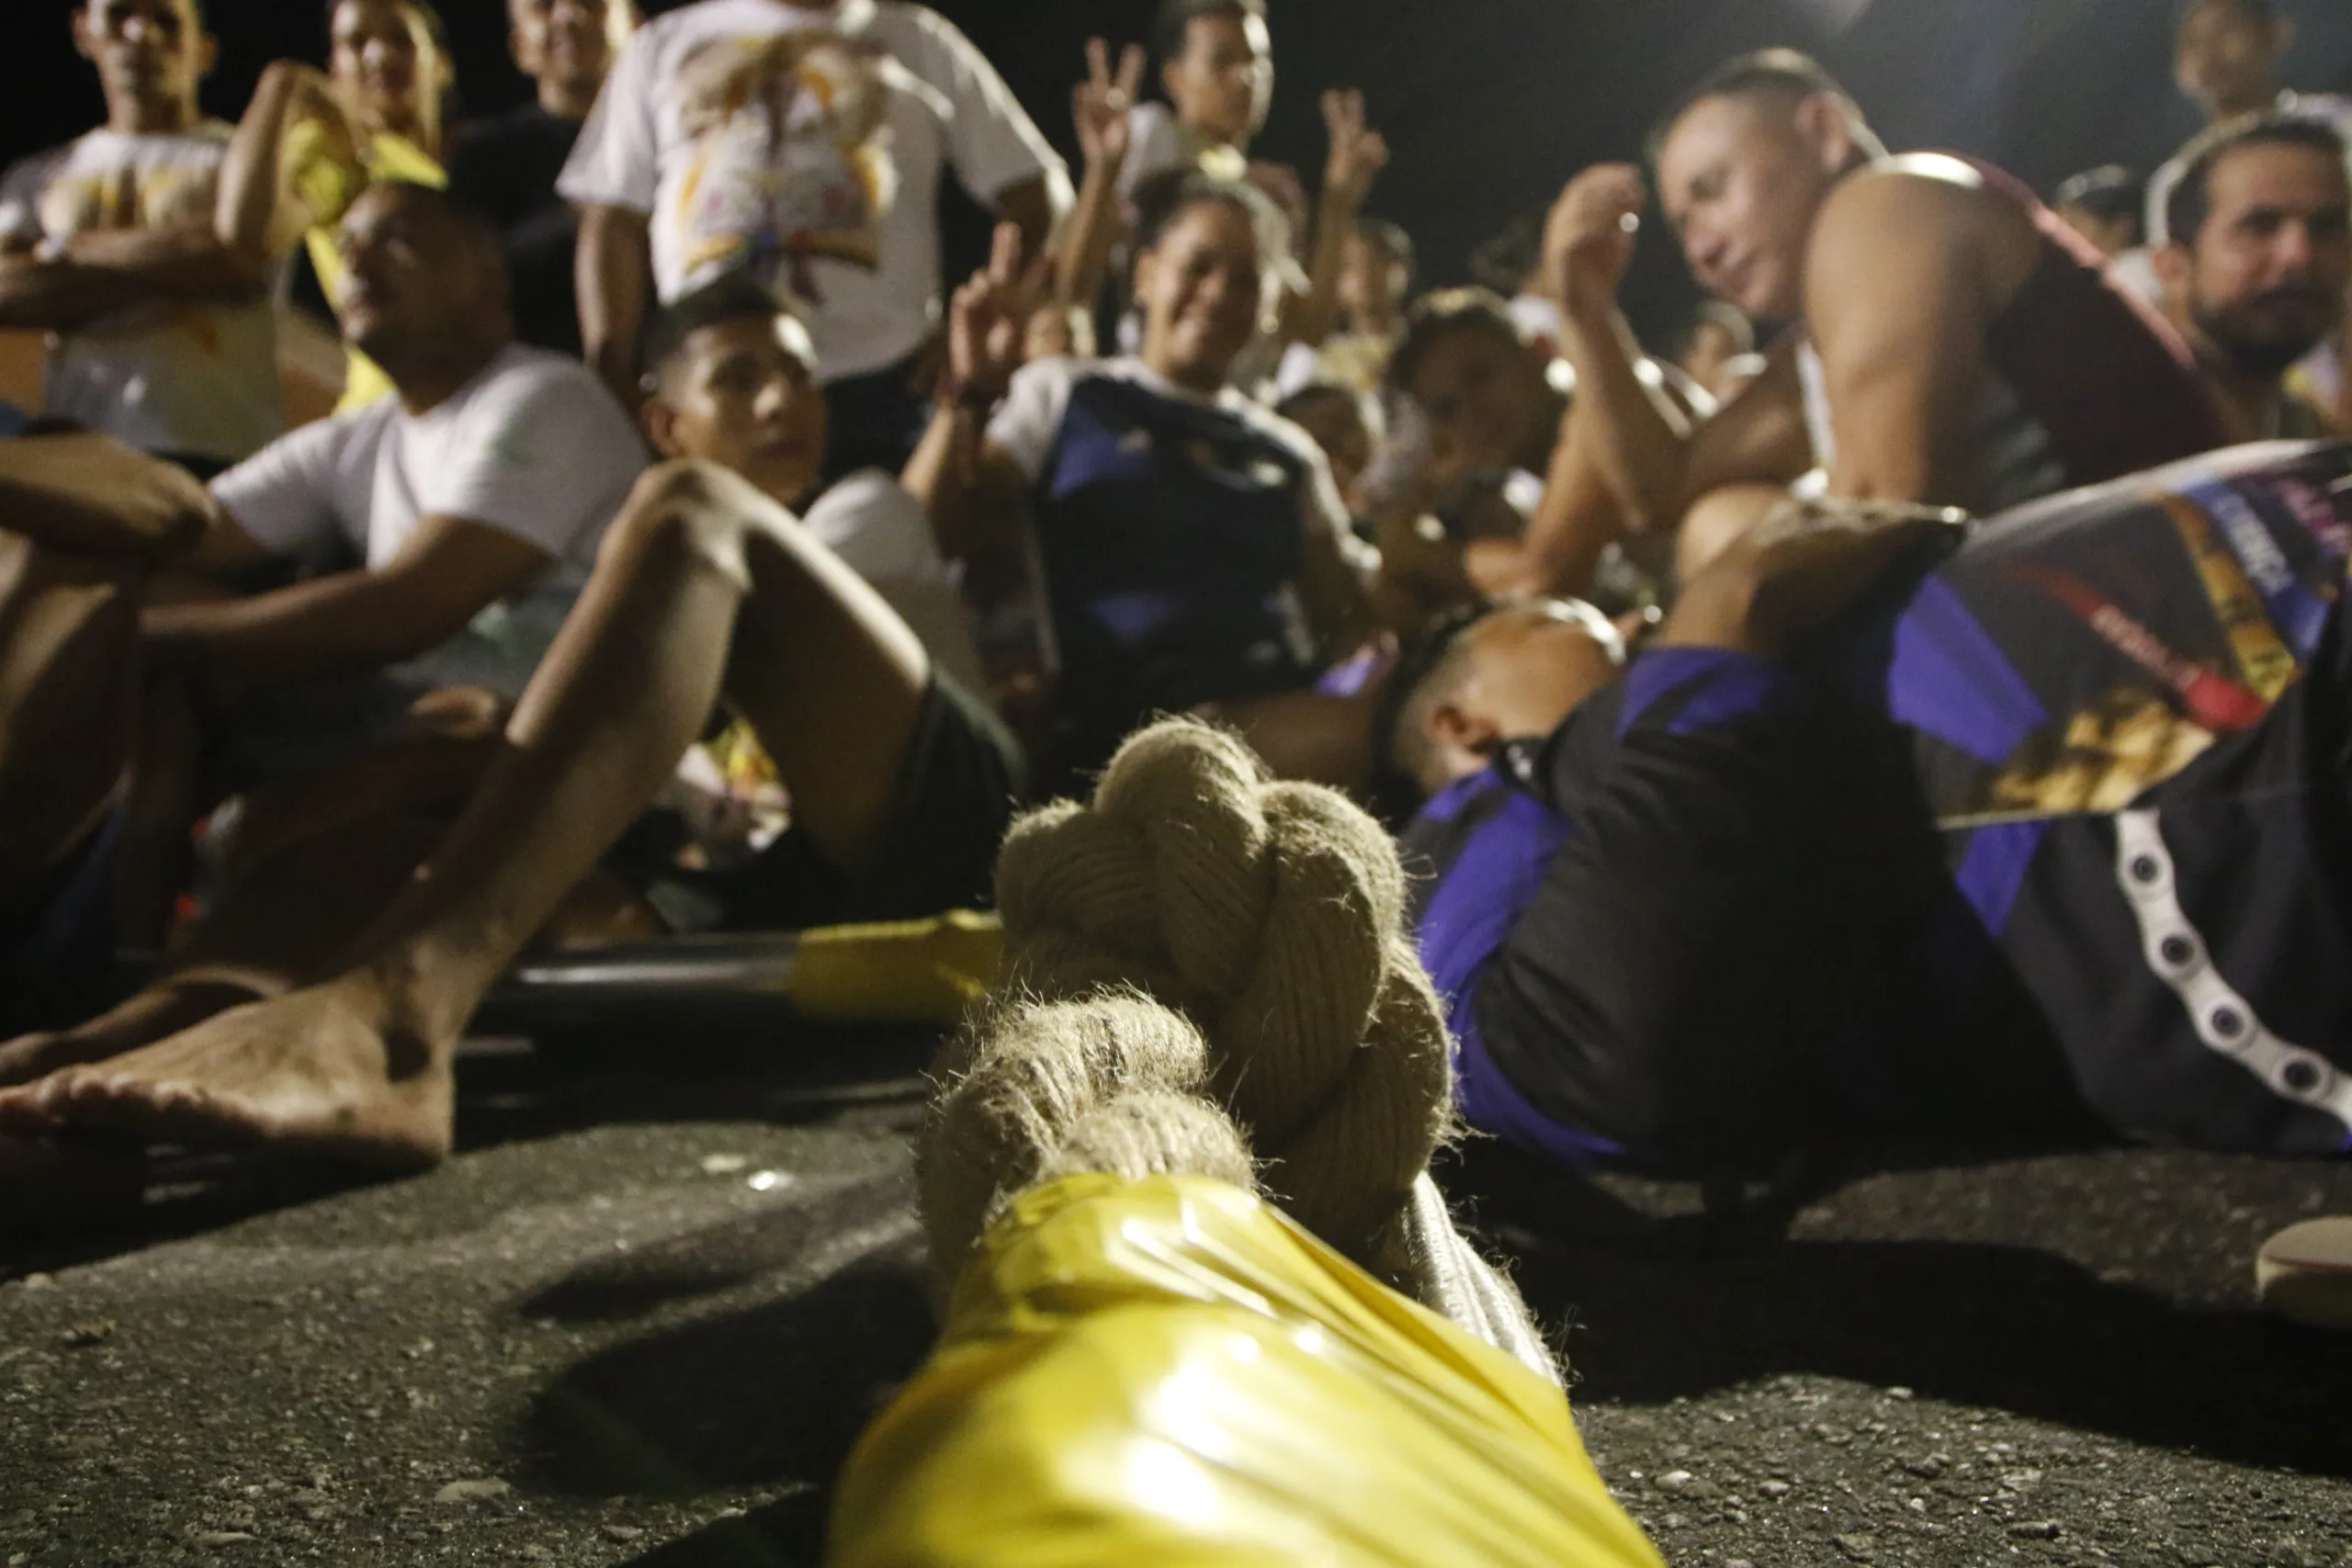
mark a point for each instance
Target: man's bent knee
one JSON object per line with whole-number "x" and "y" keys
{"x": 1716, "y": 521}
{"x": 684, "y": 507}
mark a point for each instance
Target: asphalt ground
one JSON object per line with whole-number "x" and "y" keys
{"x": 640, "y": 1317}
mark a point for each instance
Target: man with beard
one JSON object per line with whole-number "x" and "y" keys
{"x": 2259, "y": 256}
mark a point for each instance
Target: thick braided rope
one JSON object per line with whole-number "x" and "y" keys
{"x": 1030, "y": 1091}
{"x": 1272, "y": 916}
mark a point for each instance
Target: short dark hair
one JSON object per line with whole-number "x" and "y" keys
{"x": 1785, "y": 76}
{"x": 1440, "y": 314}
{"x": 733, "y": 296}
{"x": 1165, "y": 196}
{"x": 1391, "y": 239}
{"x": 2190, "y": 201}
{"x": 1430, "y": 666}
{"x": 481, "y": 225}
{"x": 2107, "y": 193}
{"x": 1171, "y": 29}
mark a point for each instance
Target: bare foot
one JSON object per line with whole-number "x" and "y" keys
{"x": 50, "y": 1184}
{"x": 160, "y": 1011}
{"x": 326, "y": 1071}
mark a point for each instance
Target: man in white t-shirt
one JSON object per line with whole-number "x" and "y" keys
{"x": 446, "y": 529}
{"x": 160, "y": 335}
{"x": 805, "y": 142}
{"x": 707, "y": 589}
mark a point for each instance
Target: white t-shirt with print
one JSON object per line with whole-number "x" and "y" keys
{"x": 879, "y": 531}
{"x": 534, "y": 445}
{"x": 748, "y": 141}
{"x": 189, "y": 378}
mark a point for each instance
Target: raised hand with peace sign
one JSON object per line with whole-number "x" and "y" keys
{"x": 1101, "y": 105}
{"x": 987, "y": 319}
{"x": 1357, "y": 154}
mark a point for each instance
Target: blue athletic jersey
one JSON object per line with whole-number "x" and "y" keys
{"x": 2052, "y": 837}
{"x": 1171, "y": 530}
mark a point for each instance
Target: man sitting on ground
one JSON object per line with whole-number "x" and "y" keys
{"x": 1892, "y": 842}
{"x": 2255, "y": 275}
{"x": 449, "y": 528}
{"x": 162, "y": 335}
{"x": 1958, "y": 344}
{"x": 707, "y": 588}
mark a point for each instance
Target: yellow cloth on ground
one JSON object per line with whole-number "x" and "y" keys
{"x": 325, "y": 180}
{"x": 1170, "y": 1370}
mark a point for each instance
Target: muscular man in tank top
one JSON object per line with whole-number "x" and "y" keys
{"x": 1953, "y": 342}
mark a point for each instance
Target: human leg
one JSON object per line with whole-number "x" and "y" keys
{"x": 359, "y": 1065}
{"x": 1717, "y": 520}
{"x": 69, "y": 630}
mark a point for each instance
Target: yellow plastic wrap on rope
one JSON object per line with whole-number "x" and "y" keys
{"x": 1169, "y": 1371}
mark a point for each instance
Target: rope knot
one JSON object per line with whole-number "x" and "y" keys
{"x": 1272, "y": 915}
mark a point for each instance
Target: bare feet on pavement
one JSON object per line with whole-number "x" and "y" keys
{"x": 156, "y": 1013}
{"x": 322, "y": 1071}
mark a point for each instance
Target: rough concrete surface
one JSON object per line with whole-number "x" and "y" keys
{"x": 640, "y": 1317}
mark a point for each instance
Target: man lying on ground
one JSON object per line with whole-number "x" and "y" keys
{"x": 707, "y": 588}
{"x": 1886, "y": 841}
{"x": 1956, "y": 343}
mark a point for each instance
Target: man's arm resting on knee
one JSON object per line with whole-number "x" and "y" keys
{"x": 449, "y": 571}
{"x": 91, "y": 495}
{"x": 612, "y": 266}
{"x": 1898, "y": 304}
{"x": 1654, "y": 461}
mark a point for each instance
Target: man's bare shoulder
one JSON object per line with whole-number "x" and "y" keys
{"x": 1925, "y": 206}
{"x": 1915, "y": 196}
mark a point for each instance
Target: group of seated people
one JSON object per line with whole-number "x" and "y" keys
{"x": 1847, "y": 816}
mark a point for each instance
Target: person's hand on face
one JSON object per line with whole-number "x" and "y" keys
{"x": 1358, "y": 153}
{"x": 1100, "y": 105}
{"x": 1588, "y": 239}
{"x": 987, "y": 321}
